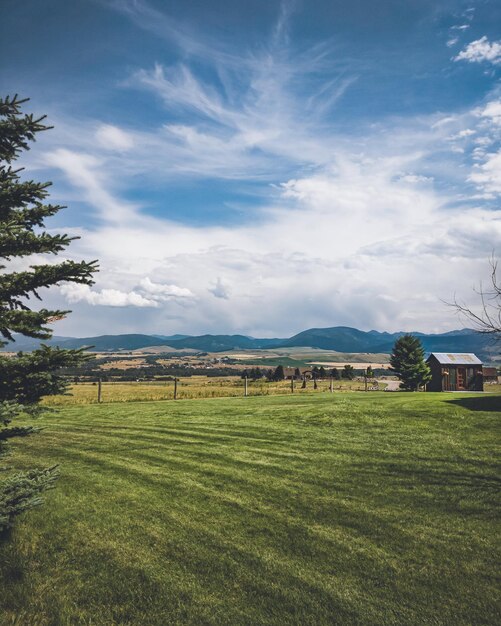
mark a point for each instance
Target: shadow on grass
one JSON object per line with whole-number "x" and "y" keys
{"x": 479, "y": 403}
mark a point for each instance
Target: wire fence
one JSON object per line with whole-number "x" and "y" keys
{"x": 200, "y": 387}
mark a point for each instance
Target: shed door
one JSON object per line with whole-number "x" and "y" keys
{"x": 452, "y": 379}
{"x": 461, "y": 377}
{"x": 470, "y": 379}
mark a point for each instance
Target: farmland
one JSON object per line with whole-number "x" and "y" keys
{"x": 192, "y": 387}
{"x": 151, "y": 364}
{"x": 313, "y": 509}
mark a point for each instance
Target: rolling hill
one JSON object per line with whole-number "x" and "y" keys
{"x": 339, "y": 338}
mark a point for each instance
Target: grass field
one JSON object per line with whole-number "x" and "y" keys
{"x": 376, "y": 509}
{"x": 192, "y": 387}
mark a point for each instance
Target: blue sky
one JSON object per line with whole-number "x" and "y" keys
{"x": 263, "y": 167}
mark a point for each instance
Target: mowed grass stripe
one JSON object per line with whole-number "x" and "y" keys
{"x": 314, "y": 510}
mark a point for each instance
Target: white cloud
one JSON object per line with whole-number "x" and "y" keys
{"x": 346, "y": 230}
{"x": 416, "y": 178}
{"x": 443, "y": 121}
{"x": 488, "y": 175}
{"x": 483, "y": 141}
{"x": 179, "y": 88}
{"x": 83, "y": 171}
{"x": 492, "y": 111}
{"x": 466, "y": 132}
{"x": 104, "y": 297}
{"x": 481, "y": 50}
{"x": 452, "y": 42}
{"x": 114, "y": 138}
{"x": 163, "y": 291}
{"x": 345, "y": 245}
{"x": 242, "y": 128}
{"x": 220, "y": 289}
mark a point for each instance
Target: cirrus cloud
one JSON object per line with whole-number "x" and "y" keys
{"x": 114, "y": 138}
{"x": 363, "y": 224}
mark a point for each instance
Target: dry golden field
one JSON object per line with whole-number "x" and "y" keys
{"x": 190, "y": 387}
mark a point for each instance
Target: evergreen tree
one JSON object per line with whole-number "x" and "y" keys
{"x": 297, "y": 373}
{"x": 335, "y": 373}
{"x": 279, "y": 373}
{"x": 255, "y": 373}
{"x": 25, "y": 378}
{"x": 321, "y": 372}
{"x": 348, "y": 372}
{"x": 407, "y": 361}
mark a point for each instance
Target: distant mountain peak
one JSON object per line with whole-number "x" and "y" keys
{"x": 337, "y": 338}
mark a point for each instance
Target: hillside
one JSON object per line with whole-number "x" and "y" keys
{"x": 339, "y": 338}
{"x": 345, "y": 339}
{"x": 102, "y": 343}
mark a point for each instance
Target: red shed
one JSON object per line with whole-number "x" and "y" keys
{"x": 455, "y": 372}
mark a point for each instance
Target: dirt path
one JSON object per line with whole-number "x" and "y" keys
{"x": 391, "y": 385}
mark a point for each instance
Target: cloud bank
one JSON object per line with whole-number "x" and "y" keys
{"x": 370, "y": 226}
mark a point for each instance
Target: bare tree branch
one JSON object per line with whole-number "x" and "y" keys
{"x": 487, "y": 320}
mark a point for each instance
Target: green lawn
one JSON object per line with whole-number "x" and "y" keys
{"x": 309, "y": 510}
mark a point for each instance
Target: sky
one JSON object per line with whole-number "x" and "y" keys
{"x": 263, "y": 167}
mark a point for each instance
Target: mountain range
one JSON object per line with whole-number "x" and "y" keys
{"x": 338, "y": 338}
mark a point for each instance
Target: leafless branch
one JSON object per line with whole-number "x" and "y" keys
{"x": 487, "y": 320}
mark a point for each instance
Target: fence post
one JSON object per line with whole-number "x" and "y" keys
{"x": 365, "y": 380}
{"x": 175, "y": 388}
{"x": 331, "y": 386}
{"x": 303, "y": 386}
{"x": 245, "y": 386}
{"x": 99, "y": 391}
{"x": 292, "y": 384}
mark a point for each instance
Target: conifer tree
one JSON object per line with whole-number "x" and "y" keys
{"x": 279, "y": 373}
{"x": 348, "y": 372}
{"x": 25, "y": 378}
{"x": 407, "y": 361}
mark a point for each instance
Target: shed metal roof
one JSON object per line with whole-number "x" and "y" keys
{"x": 452, "y": 358}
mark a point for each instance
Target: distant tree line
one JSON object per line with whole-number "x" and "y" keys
{"x": 153, "y": 370}
{"x": 316, "y": 373}
{"x": 92, "y": 371}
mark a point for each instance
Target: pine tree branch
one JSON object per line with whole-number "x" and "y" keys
{"x": 22, "y": 492}
{"x": 28, "y": 323}
{"x": 18, "y": 285}
{"x": 17, "y": 131}
{"x": 16, "y": 242}
{"x": 16, "y": 195}
{"x": 28, "y": 216}
{"x": 8, "y": 411}
{"x": 29, "y": 377}
{"x": 17, "y": 431}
